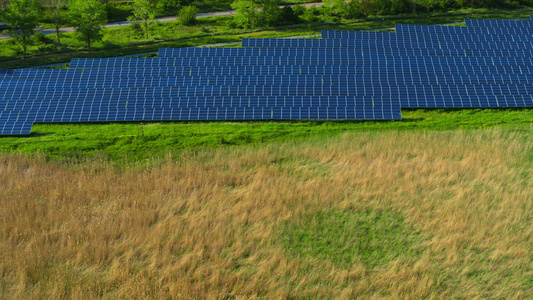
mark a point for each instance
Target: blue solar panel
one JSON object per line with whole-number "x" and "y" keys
{"x": 430, "y": 70}
{"x": 390, "y": 76}
{"x": 400, "y": 44}
{"x": 254, "y": 61}
{"x": 14, "y": 123}
{"x": 367, "y": 52}
{"x": 388, "y": 111}
{"x": 498, "y": 23}
{"x": 426, "y": 36}
{"x": 458, "y": 30}
{"x": 510, "y": 95}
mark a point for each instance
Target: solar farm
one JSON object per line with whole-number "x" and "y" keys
{"x": 345, "y": 75}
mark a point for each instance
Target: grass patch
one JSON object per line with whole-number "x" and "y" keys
{"x": 347, "y": 237}
{"x": 137, "y": 141}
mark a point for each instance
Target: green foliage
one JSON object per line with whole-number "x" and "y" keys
{"x": 270, "y": 13}
{"x": 261, "y": 13}
{"x": 350, "y": 236}
{"x": 22, "y": 16}
{"x": 58, "y": 15}
{"x": 171, "y": 7}
{"x": 119, "y": 11}
{"x": 143, "y": 14}
{"x": 345, "y": 9}
{"x": 298, "y": 9}
{"x": 187, "y": 15}
{"x": 311, "y": 14}
{"x": 288, "y": 16}
{"x": 246, "y": 14}
{"x": 88, "y": 18}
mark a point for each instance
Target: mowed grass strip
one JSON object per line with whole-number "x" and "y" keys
{"x": 207, "y": 224}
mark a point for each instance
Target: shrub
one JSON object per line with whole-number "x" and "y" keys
{"x": 187, "y": 15}
{"x": 298, "y": 10}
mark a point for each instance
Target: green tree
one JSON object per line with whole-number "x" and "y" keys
{"x": 256, "y": 13}
{"x": 144, "y": 12}
{"x": 59, "y": 15}
{"x": 187, "y": 15}
{"x": 22, "y": 16}
{"x": 345, "y": 9}
{"x": 88, "y": 18}
{"x": 246, "y": 13}
{"x": 270, "y": 12}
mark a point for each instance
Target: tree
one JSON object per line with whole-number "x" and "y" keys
{"x": 246, "y": 13}
{"x": 144, "y": 12}
{"x": 88, "y": 17}
{"x": 187, "y": 15}
{"x": 57, "y": 7}
{"x": 255, "y": 13}
{"x": 22, "y": 16}
{"x": 270, "y": 12}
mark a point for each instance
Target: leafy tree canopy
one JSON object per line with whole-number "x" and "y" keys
{"x": 88, "y": 18}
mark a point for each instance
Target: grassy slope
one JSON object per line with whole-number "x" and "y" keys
{"x": 382, "y": 214}
{"x": 133, "y": 142}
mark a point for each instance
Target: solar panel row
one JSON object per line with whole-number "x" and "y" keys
{"x": 408, "y": 96}
{"x": 68, "y": 114}
{"x": 354, "y": 52}
{"x": 417, "y": 29}
{"x": 264, "y": 61}
{"x": 387, "y": 77}
{"x": 303, "y": 70}
{"x": 399, "y": 44}
{"x": 428, "y": 36}
{"x": 498, "y": 23}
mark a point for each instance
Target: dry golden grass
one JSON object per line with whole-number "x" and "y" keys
{"x": 207, "y": 225}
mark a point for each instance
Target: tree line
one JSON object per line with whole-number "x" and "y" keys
{"x": 88, "y": 17}
{"x": 259, "y": 13}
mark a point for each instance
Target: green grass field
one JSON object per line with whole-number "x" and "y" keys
{"x": 137, "y": 141}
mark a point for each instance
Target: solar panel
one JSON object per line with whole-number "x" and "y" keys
{"x": 428, "y": 95}
{"x": 255, "y": 61}
{"x": 389, "y": 111}
{"x": 97, "y": 75}
{"x": 367, "y": 52}
{"x": 458, "y": 30}
{"x": 427, "y": 36}
{"x": 498, "y": 23}
{"x": 13, "y": 123}
{"x": 389, "y": 76}
{"x": 405, "y": 43}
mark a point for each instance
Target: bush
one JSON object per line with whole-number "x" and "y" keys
{"x": 288, "y": 16}
{"x": 311, "y": 14}
{"x": 41, "y": 38}
{"x": 298, "y": 10}
{"x": 171, "y": 7}
{"x": 187, "y": 15}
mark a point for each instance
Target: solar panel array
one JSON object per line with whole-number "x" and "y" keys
{"x": 346, "y": 75}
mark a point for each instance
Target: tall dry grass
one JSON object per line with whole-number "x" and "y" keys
{"x": 206, "y": 225}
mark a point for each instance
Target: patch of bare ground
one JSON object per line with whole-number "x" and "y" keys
{"x": 210, "y": 224}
